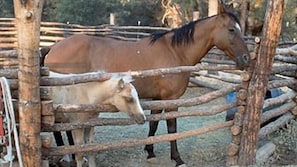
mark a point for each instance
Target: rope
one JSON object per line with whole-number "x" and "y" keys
{"x": 2, "y": 133}
{"x": 11, "y": 126}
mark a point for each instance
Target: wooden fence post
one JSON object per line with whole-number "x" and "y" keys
{"x": 28, "y": 16}
{"x": 259, "y": 81}
{"x": 112, "y": 19}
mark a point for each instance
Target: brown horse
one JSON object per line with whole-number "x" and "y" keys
{"x": 186, "y": 45}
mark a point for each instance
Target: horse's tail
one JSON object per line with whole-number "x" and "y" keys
{"x": 43, "y": 52}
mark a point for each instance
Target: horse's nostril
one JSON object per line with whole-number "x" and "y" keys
{"x": 140, "y": 119}
{"x": 246, "y": 57}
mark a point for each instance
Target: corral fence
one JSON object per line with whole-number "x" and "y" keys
{"x": 283, "y": 76}
{"x": 52, "y": 32}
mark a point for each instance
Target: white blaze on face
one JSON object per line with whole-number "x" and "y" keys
{"x": 136, "y": 98}
{"x": 134, "y": 95}
{"x": 238, "y": 27}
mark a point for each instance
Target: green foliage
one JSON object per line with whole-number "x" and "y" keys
{"x": 96, "y": 12}
{"x": 91, "y": 12}
{"x": 6, "y": 8}
{"x": 138, "y": 10}
{"x": 48, "y": 12}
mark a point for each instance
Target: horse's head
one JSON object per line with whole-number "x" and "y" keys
{"x": 126, "y": 100}
{"x": 227, "y": 37}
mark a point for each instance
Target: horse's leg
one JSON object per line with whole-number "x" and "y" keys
{"x": 152, "y": 130}
{"x": 90, "y": 133}
{"x": 78, "y": 140}
{"x": 70, "y": 140}
{"x": 59, "y": 139}
{"x": 171, "y": 128}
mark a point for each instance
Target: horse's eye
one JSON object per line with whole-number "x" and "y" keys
{"x": 231, "y": 29}
{"x": 129, "y": 99}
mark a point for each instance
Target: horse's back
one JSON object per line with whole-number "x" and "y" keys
{"x": 82, "y": 53}
{"x": 69, "y": 55}
{"x": 71, "y": 94}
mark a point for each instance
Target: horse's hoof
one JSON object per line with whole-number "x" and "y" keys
{"x": 182, "y": 165}
{"x": 153, "y": 160}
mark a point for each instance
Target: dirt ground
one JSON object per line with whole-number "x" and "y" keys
{"x": 208, "y": 150}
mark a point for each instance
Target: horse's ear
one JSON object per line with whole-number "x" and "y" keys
{"x": 127, "y": 78}
{"x": 221, "y": 7}
{"x": 121, "y": 84}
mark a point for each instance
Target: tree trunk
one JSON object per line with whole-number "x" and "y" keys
{"x": 212, "y": 7}
{"x": 244, "y": 13}
{"x": 28, "y": 16}
{"x": 259, "y": 81}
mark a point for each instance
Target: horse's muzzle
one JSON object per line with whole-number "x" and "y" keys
{"x": 140, "y": 119}
{"x": 243, "y": 61}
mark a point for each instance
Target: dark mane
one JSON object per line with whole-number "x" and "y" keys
{"x": 184, "y": 34}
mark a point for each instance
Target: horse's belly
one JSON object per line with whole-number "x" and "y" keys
{"x": 170, "y": 87}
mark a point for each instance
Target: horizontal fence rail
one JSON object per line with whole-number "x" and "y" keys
{"x": 62, "y": 150}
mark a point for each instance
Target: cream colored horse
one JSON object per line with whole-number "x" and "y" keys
{"x": 117, "y": 91}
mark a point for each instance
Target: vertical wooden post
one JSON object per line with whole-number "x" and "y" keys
{"x": 213, "y": 7}
{"x": 28, "y": 17}
{"x": 112, "y": 19}
{"x": 243, "y": 17}
{"x": 259, "y": 81}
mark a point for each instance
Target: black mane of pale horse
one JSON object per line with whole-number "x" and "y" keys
{"x": 184, "y": 35}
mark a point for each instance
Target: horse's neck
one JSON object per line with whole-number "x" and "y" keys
{"x": 193, "y": 52}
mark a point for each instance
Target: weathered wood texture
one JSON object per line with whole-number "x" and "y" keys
{"x": 278, "y": 100}
{"x": 52, "y": 32}
{"x": 265, "y": 152}
{"x": 28, "y": 16}
{"x": 274, "y": 113}
{"x": 273, "y": 126}
{"x": 289, "y": 50}
{"x": 259, "y": 81}
{"x": 129, "y": 121}
{"x": 99, "y": 76}
{"x": 132, "y": 142}
{"x": 244, "y": 14}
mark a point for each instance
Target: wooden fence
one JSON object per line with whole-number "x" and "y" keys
{"x": 283, "y": 75}
{"x": 51, "y": 32}
{"x": 48, "y": 109}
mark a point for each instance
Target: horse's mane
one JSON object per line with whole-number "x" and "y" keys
{"x": 184, "y": 35}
